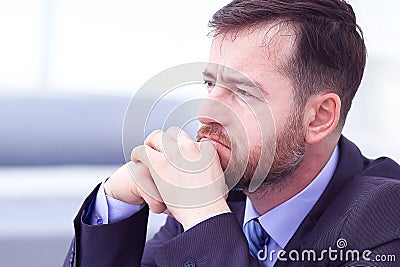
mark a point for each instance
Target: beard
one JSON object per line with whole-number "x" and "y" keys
{"x": 289, "y": 152}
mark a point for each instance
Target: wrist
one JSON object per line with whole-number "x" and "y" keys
{"x": 194, "y": 216}
{"x": 126, "y": 196}
{"x": 107, "y": 189}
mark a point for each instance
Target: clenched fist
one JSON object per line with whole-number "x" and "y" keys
{"x": 171, "y": 171}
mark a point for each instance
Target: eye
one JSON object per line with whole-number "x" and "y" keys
{"x": 209, "y": 85}
{"x": 243, "y": 92}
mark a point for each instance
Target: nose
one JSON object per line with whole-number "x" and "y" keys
{"x": 215, "y": 108}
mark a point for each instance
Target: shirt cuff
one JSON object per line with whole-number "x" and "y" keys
{"x": 110, "y": 210}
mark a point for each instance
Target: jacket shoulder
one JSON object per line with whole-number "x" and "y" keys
{"x": 365, "y": 213}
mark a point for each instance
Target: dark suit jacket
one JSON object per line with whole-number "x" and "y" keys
{"x": 361, "y": 205}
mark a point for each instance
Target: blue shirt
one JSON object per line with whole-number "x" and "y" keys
{"x": 282, "y": 221}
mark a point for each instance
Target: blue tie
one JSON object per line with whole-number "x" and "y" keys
{"x": 256, "y": 236}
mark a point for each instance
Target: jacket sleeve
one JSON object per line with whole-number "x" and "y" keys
{"x": 218, "y": 241}
{"x": 116, "y": 244}
{"x": 170, "y": 230}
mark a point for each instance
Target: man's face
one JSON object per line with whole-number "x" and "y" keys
{"x": 244, "y": 121}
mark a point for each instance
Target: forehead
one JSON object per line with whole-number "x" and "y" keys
{"x": 255, "y": 51}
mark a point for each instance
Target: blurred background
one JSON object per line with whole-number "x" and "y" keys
{"x": 68, "y": 70}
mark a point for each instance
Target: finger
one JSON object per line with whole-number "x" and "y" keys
{"x": 185, "y": 146}
{"x": 146, "y": 187}
{"x": 141, "y": 176}
{"x": 155, "y": 161}
{"x": 160, "y": 141}
{"x": 153, "y": 133}
{"x": 173, "y": 132}
{"x": 206, "y": 147}
{"x": 143, "y": 154}
{"x": 167, "y": 212}
{"x": 155, "y": 205}
{"x": 178, "y": 134}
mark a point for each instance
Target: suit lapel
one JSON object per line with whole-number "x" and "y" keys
{"x": 236, "y": 202}
{"x": 350, "y": 162}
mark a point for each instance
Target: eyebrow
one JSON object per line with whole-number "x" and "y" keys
{"x": 241, "y": 81}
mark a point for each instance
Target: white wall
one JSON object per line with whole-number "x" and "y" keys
{"x": 114, "y": 46}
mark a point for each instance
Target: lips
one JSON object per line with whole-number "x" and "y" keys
{"x": 214, "y": 140}
{"x": 217, "y": 135}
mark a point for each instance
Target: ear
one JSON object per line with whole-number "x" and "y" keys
{"x": 322, "y": 114}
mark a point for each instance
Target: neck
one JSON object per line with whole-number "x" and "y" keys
{"x": 268, "y": 197}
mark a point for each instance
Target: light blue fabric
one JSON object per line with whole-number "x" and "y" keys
{"x": 282, "y": 221}
{"x": 256, "y": 236}
{"x": 110, "y": 210}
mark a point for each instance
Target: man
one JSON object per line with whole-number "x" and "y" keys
{"x": 321, "y": 203}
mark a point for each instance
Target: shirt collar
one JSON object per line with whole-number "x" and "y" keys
{"x": 282, "y": 221}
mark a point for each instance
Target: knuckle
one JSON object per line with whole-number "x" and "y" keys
{"x": 138, "y": 170}
{"x": 173, "y": 129}
{"x": 188, "y": 145}
{"x": 135, "y": 152}
{"x": 206, "y": 146}
{"x": 152, "y": 136}
{"x": 142, "y": 171}
{"x": 156, "y": 206}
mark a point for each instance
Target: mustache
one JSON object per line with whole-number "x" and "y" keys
{"x": 216, "y": 132}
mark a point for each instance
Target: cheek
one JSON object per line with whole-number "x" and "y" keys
{"x": 256, "y": 124}
{"x": 280, "y": 116}
{"x": 250, "y": 131}
{"x": 260, "y": 123}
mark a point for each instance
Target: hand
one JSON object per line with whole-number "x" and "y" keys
{"x": 132, "y": 183}
{"x": 187, "y": 174}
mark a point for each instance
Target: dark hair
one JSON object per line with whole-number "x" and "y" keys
{"x": 330, "y": 51}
